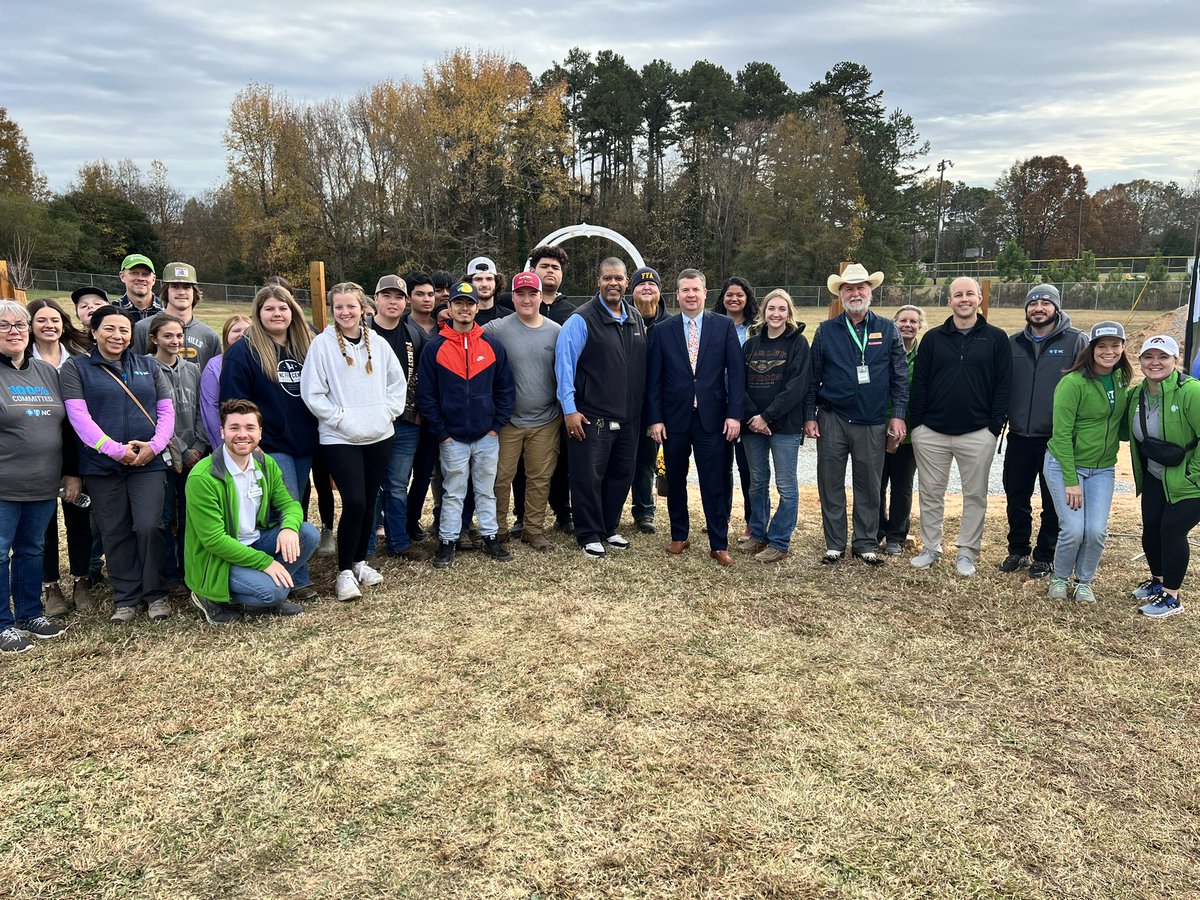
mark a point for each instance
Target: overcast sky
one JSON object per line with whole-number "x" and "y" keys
{"x": 1114, "y": 87}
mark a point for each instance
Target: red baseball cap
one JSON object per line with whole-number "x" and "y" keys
{"x": 526, "y": 280}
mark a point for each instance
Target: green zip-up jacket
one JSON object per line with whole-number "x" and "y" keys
{"x": 1087, "y": 431}
{"x": 210, "y": 544}
{"x": 1179, "y": 418}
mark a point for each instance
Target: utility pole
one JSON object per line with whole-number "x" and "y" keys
{"x": 937, "y": 240}
{"x": 1079, "y": 230}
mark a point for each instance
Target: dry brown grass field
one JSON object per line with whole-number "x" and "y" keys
{"x": 638, "y": 727}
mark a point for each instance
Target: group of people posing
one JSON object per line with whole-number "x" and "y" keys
{"x": 183, "y": 457}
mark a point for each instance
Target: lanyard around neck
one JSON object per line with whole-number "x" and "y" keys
{"x": 860, "y": 344}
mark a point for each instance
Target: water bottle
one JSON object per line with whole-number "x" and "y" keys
{"x": 83, "y": 501}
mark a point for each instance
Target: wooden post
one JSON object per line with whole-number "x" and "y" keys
{"x": 316, "y": 290}
{"x": 835, "y": 305}
{"x": 6, "y": 286}
{"x": 986, "y": 291}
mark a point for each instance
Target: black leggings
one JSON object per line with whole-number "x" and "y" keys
{"x": 320, "y": 478}
{"x": 358, "y": 471}
{"x": 1165, "y": 528}
{"x": 79, "y": 543}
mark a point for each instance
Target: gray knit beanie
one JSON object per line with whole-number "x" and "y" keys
{"x": 1044, "y": 292}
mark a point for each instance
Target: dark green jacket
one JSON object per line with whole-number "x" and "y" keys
{"x": 210, "y": 545}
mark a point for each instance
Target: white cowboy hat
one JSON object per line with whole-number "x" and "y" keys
{"x": 854, "y": 274}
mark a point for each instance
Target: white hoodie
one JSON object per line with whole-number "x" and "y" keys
{"x": 351, "y": 406}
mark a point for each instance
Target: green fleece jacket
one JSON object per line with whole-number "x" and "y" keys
{"x": 1179, "y": 416}
{"x": 210, "y": 544}
{"x": 1087, "y": 430}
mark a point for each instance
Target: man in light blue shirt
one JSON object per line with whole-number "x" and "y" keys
{"x": 600, "y": 364}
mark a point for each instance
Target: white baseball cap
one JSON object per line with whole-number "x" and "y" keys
{"x": 1163, "y": 342}
{"x": 481, "y": 264}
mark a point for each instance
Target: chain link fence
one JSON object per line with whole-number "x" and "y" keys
{"x": 60, "y": 282}
{"x": 1155, "y": 295}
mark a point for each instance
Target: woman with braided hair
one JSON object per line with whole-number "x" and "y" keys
{"x": 356, "y": 389}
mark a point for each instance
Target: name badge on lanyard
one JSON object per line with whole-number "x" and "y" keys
{"x": 864, "y": 373}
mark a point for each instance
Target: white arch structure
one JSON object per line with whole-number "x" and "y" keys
{"x": 583, "y": 229}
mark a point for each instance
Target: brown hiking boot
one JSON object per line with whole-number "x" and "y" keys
{"x": 81, "y": 597}
{"x": 54, "y": 604}
{"x": 537, "y": 541}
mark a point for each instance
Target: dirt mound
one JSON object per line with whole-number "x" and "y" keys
{"x": 1171, "y": 323}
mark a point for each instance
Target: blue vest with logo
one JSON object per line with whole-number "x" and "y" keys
{"x": 111, "y": 408}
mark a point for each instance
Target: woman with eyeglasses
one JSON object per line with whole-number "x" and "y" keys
{"x": 31, "y": 474}
{"x": 119, "y": 404}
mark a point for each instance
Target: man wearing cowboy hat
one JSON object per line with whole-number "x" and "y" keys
{"x": 960, "y": 389}
{"x": 859, "y": 379}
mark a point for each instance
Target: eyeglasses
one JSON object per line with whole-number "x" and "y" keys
{"x": 18, "y": 327}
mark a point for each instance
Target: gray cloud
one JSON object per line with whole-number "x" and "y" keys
{"x": 1113, "y": 87}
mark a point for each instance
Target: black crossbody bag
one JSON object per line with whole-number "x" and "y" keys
{"x": 1165, "y": 453}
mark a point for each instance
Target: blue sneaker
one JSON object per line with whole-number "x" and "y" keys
{"x": 1148, "y": 589}
{"x": 1162, "y": 607}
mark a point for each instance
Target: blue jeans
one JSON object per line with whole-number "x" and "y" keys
{"x": 395, "y": 487}
{"x": 476, "y": 462}
{"x": 254, "y": 588}
{"x": 22, "y": 537}
{"x": 294, "y": 470}
{"x": 762, "y": 451}
{"x": 1082, "y": 531}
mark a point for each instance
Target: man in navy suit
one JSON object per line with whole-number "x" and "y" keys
{"x": 696, "y": 378}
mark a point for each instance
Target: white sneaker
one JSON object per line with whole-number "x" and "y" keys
{"x": 347, "y": 586}
{"x": 366, "y": 575}
{"x": 594, "y": 550}
{"x": 964, "y": 565}
{"x": 925, "y": 558}
{"x": 617, "y": 542}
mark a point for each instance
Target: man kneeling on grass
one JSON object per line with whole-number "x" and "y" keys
{"x": 244, "y": 539}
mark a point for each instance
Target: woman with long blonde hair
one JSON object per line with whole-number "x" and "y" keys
{"x": 356, "y": 389}
{"x": 264, "y": 367}
{"x": 778, "y": 369}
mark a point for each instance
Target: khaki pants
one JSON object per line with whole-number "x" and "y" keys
{"x": 539, "y": 446}
{"x": 973, "y": 453}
